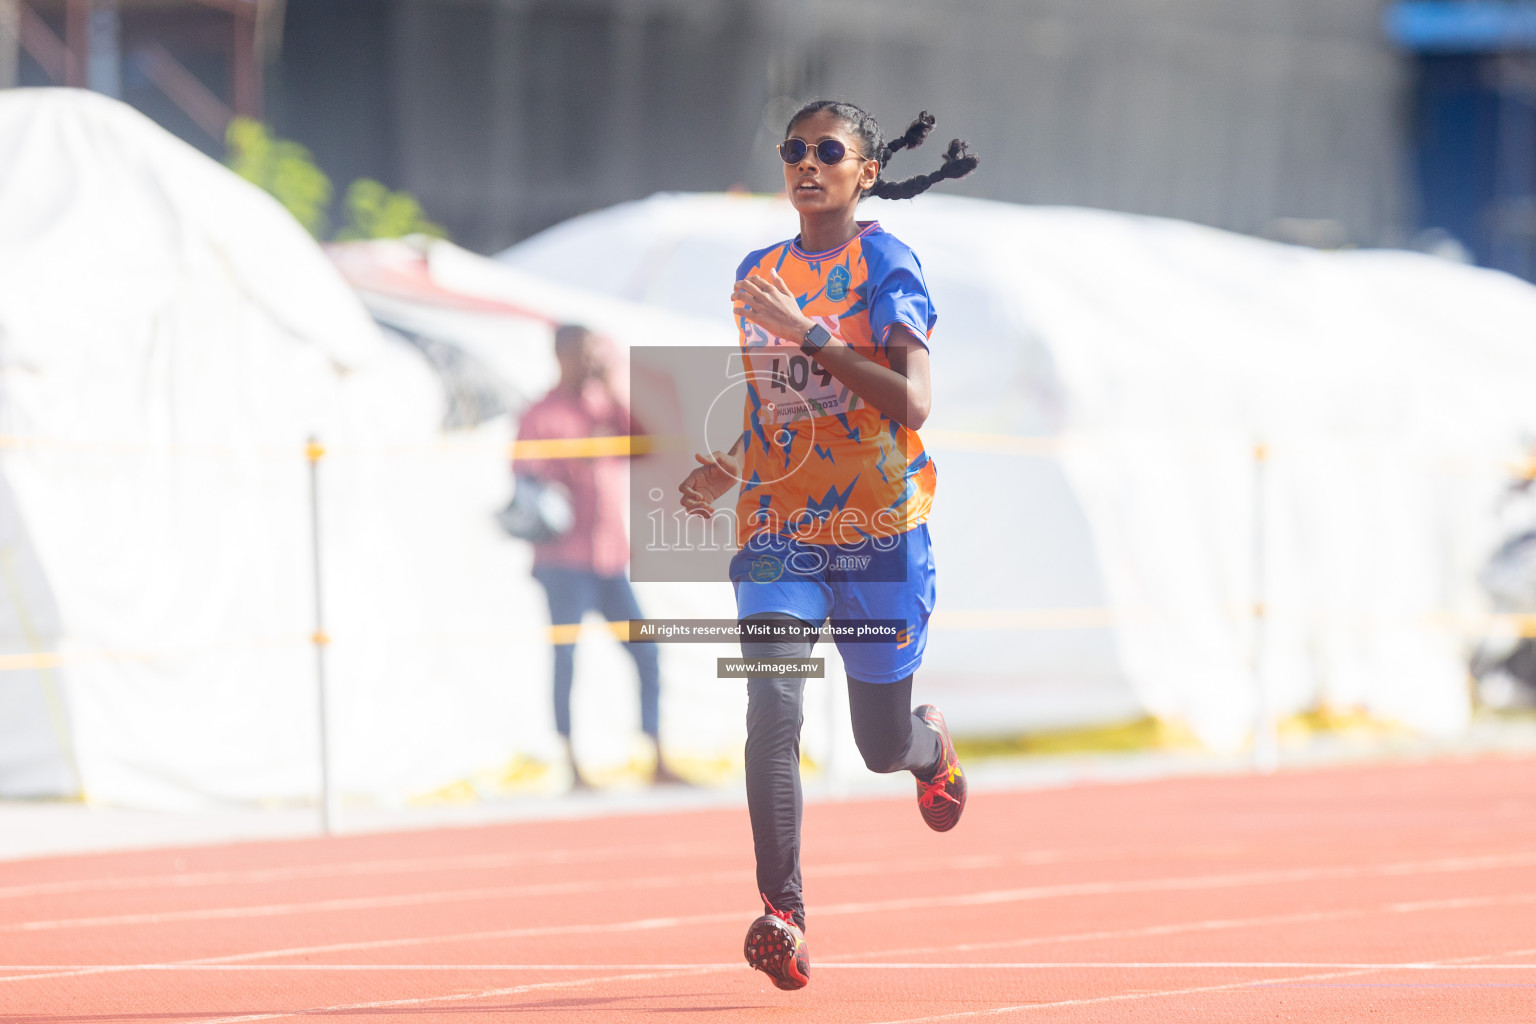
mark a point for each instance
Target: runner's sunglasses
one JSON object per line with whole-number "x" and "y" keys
{"x": 828, "y": 151}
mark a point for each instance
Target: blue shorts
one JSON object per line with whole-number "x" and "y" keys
{"x": 848, "y": 584}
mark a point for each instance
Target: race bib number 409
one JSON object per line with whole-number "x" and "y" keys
{"x": 794, "y": 386}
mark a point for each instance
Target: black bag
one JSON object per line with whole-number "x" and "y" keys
{"x": 540, "y": 511}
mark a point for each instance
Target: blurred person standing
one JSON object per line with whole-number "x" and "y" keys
{"x": 583, "y": 568}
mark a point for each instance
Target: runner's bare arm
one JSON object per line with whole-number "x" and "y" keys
{"x": 902, "y": 390}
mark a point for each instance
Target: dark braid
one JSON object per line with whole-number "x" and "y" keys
{"x": 958, "y": 159}
{"x": 958, "y": 162}
{"x": 914, "y": 136}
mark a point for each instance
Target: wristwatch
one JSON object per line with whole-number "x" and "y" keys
{"x": 815, "y": 340}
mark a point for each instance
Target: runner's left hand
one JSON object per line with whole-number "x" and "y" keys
{"x": 716, "y": 473}
{"x": 768, "y": 302}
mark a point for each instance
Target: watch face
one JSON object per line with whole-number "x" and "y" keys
{"x": 817, "y": 336}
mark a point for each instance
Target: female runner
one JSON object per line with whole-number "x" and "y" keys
{"x": 835, "y": 492}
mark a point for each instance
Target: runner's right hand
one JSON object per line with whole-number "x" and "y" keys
{"x": 717, "y": 474}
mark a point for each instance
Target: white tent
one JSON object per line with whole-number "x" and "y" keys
{"x": 169, "y": 339}
{"x": 1103, "y": 384}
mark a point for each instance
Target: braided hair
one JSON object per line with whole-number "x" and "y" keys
{"x": 958, "y": 159}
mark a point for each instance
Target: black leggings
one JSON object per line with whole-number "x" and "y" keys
{"x": 889, "y": 736}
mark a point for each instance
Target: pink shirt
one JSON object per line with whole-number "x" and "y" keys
{"x": 598, "y": 486}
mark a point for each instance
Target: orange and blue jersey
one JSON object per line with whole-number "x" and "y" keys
{"x": 819, "y": 464}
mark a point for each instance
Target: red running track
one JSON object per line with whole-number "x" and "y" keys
{"x": 1401, "y": 894}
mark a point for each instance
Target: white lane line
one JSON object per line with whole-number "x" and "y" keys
{"x": 490, "y": 993}
{"x": 1211, "y": 924}
{"x": 372, "y": 967}
{"x": 1148, "y": 931}
{"x": 643, "y": 924}
{"x": 609, "y": 979}
{"x": 352, "y": 903}
{"x": 583, "y": 886}
{"x": 349, "y": 869}
{"x": 658, "y": 923}
{"x": 1123, "y": 997}
{"x": 1193, "y": 965}
{"x": 916, "y": 965}
{"x": 491, "y": 861}
{"x": 488, "y": 861}
{"x": 1195, "y": 883}
{"x": 1129, "y": 997}
{"x": 998, "y": 1011}
{"x": 1458, "y": 903}
{"x": 1183, "y": 883}
{"x": 214, "y": 963}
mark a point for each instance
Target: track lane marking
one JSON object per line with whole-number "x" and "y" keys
{"x": 643, "y": 924}
{"x": 652, "y": 975}
{"x": 1210, "y": 924}
{"x": 383, "y": 1004}
{"x": 857, "y": 868}
{"x": 998, "y": 1011}
{"x": 610, "y": 979}
{"x": 658, "y": 923}
{"x": 1180, "y": 883}
{"x": 415, "y": 899}
{"x": 979, "y": 965}
{"x": 584, "y": 886}
{"x": 489, "y": 861}
{"x": 347, "y": 869}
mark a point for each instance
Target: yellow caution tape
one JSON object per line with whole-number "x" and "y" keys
{"x": 585, "y": 447}
{"x": 570, "y": 633}
{"x": 36, "y": 660}
{"x": 23, "y": 662}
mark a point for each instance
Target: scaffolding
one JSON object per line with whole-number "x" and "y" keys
{"x": 90, "y": 44}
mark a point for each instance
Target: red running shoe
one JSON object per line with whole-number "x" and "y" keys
{"x": 776, "y": 946}
{"x": 941, "y": 798}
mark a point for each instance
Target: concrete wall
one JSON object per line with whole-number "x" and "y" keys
{"x": 1279, "y": 117}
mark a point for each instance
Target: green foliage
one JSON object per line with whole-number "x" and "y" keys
{"x": 283, "y": 168}
{"x": 287, "y": 171}
{"x": 373, "y": 211}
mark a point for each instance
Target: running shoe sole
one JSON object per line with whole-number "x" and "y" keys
{"x": 779, "y": 950}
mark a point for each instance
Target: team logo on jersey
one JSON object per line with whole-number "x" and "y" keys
{"x": 838, "y": 282}
{"x": 765, "y": 569}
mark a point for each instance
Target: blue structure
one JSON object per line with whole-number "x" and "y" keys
{"x": 1474, "y": 122}
{"x": 1463, "y": 26}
